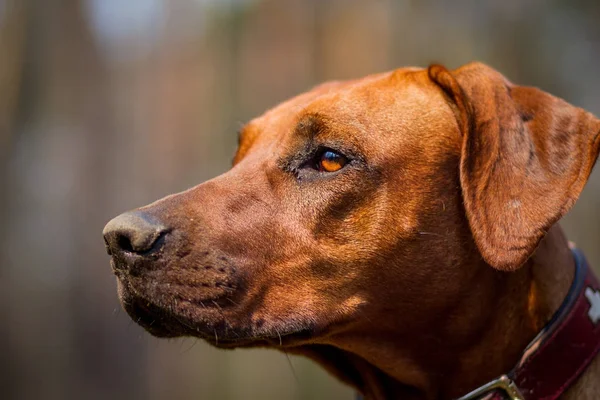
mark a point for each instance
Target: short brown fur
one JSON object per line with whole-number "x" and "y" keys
{"x": 420, "y": 270}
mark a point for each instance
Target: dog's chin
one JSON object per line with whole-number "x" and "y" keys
{"x": 156, "y": 320}
{"x": 153, "y": 319}
{"x": 206, "y": 324}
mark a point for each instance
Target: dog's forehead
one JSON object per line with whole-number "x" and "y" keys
{"x": 403, "y": 104}
{"x": 341, "y": 98}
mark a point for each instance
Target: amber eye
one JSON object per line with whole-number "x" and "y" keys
{"x": 330, "y": 161}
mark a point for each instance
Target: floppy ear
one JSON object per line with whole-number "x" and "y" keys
{"x": 525, "y": 158}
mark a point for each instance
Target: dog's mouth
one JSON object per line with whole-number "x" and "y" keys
{"x": 158, "y": 320}
{"x": 168, "y": 318}
{"x": 154, "y": 319}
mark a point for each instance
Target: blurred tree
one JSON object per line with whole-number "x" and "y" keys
{"x": 13, "y": 27}
{"x": 109, "y": 104}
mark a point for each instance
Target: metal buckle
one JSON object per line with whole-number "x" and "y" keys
{"x": 503, "y": 383}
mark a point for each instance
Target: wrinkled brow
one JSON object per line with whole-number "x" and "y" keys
{"x": 311, "y": 125}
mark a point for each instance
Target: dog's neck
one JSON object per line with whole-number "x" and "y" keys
{"x": 492, "y": 325}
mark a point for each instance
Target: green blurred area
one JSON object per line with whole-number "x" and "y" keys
{"x": 106, "y": 105}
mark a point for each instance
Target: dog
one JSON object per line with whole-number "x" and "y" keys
{"x": 399, "y": 229}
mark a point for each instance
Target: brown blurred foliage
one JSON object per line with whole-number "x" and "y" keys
{"x": 106, "y": 105}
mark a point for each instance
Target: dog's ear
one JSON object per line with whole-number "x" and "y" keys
{"x": 525, "y": 158}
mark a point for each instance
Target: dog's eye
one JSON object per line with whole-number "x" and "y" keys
{"x": 330, "y": 161}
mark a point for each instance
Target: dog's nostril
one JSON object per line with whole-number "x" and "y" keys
{"x": 132, "y": 232}
{"x": 124, "y": 243}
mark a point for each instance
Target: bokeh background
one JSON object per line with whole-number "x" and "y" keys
{"x": 106, "y": 105}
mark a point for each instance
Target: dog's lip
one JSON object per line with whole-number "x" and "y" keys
{"x": 156, "y": 320}
{"x": 162, "y": 322}
{"x": 152, "y": 322}
{"x": 159, "y": 320}
{"x": 290, "y": 339}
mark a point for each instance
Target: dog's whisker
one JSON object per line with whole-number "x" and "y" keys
{"x": 364, "y": 314}
{"x": 430, "y": 233}
{"x": 217, "y": 305}
{"x": 194, "y": 342}
{"x": 231, "y": 301}
{"x": 183, "y": 323}
{"x": 292, "y": 367}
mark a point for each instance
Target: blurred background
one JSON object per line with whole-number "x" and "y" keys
{"x": 106, "y": 105}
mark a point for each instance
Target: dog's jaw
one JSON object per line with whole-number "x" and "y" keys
{"x": 473, "y": 351}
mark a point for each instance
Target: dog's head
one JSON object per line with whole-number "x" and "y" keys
{"x": 356, "y": 201}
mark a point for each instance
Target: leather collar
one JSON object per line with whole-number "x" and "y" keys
{"x": 560, "y": 353}
{"x": 562, "y": 350}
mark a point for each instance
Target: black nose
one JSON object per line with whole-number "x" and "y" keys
{"x": 133, "y": 232}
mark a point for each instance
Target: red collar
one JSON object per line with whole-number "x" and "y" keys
{"x": 560, "y": 352}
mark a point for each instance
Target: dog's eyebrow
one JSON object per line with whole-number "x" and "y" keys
{"x": 311, "y": 125}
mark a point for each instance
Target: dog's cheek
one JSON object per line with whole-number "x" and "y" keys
{"x": 344, "y": 213}
{"x": 306, "y": 307}
{"x": 285, "y": 310}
